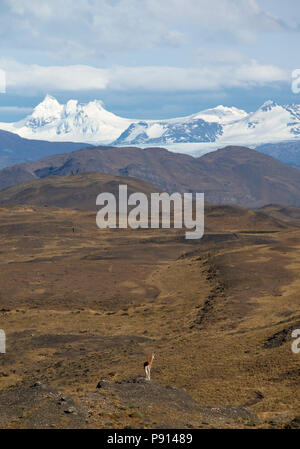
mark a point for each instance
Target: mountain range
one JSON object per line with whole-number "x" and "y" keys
{"x": 231, "y": 175}
{"x": 15, "y": 149}
{"x": 208, "y": 129}
{"x": 287, "y": 152}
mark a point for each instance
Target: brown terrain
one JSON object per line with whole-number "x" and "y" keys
{"x": 83, "y": 308}
{"x": 72, "y": 192}
{"x": 234, "y": 175}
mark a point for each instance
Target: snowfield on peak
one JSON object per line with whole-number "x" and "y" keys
{"x": 73, "y": 121}
{"x": 221, "y": 114}
{"x": 271, "y": 121}
{"x": 194, "y": 134}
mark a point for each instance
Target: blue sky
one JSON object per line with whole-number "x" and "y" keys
{"x": 148, "y": 58}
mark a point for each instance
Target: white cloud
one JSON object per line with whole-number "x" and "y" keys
{"x": 208, "y": 77}
{"x": 260, "y": 74}
{"x": 15, "y": 110}
{"x": 81, "y": 29}
{"x": 31, "y": 79}
{"x": 36, "y": 78}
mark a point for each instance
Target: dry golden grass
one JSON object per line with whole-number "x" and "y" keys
{"x": 82, "y": 306}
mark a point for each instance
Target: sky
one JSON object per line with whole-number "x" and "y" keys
{"x": 148, "y": 58}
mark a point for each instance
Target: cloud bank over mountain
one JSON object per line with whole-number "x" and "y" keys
{"x": 38, "y": 78}
{"x": 148, "y": 50}
{"x": 104, "y": 26}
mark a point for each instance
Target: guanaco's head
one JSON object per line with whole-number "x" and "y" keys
{"x": 153, "y": 356}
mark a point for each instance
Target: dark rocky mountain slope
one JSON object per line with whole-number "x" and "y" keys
{"x": 231, "y": 175}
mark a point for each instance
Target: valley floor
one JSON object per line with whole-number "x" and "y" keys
{"x": 79, "y": 307}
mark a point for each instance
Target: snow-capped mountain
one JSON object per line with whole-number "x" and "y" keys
{"x": 168, "y": 132}
{"x": 220, "y": 114}
{"x": 203, "y": 127}
{"x": 75, "y": 122}
{"x": 221, "y": 125}
{"x": 271, "y": 122}
{"x": 209, "y": 129}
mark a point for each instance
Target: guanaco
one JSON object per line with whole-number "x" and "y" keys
{"x": 147, "y": 367}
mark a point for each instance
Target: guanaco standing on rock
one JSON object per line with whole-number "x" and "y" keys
{"x": 147, "y": 367}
